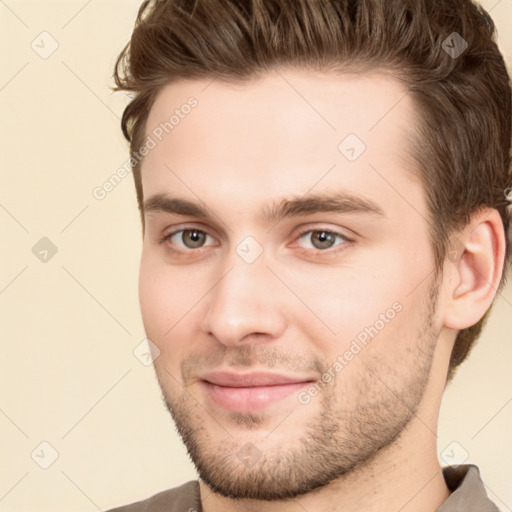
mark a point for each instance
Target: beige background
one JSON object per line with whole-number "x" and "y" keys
{"x": 69, "y": 326}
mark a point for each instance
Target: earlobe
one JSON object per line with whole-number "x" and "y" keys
{"x": 476, "y": 271}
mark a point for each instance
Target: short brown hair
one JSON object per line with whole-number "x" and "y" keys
{"x": 464, "y": 134}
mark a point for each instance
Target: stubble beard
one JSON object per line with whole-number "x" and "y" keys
{"x": 332, "y": 444}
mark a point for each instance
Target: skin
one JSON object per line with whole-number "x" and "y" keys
{"x": 367, "y": 440}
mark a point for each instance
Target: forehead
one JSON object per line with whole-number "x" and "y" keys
{"x": 282, "y": 131}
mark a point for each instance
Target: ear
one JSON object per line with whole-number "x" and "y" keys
{"x": 474, "y": 268}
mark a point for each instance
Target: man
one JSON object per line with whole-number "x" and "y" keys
{"x": 322, "y": 187}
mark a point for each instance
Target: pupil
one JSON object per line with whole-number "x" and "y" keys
{"x": 196, "y": 238}
{"x": 323, "y": 237}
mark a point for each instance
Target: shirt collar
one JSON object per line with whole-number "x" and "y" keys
{"x": 467, "y": 490}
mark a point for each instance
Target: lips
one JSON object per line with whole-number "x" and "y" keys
{"x": 246, "y": 392}
{"x": 245, "y": 380}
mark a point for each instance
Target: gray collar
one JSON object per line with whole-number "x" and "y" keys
{"x": 468, "y": 491}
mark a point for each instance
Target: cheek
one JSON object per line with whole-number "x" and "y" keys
{"x": 149, "y": 295}
{"x": 158, "y": 297}
{"x": 170, "y": 304}
{"x": 367, "y": 310}
{"x": 342, "y": 301}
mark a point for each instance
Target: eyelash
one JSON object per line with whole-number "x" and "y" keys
{"x": 312, "y": 252}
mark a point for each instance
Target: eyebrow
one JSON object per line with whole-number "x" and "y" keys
{"x": 341, "y": 202}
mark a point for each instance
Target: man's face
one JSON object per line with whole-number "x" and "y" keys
{"x": 338, "y": 296}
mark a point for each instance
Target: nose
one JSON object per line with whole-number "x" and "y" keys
{"x": 245, "y": 306}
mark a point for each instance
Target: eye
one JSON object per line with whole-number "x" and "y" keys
{"x": 186, "y": 238}
{"x": 322, "y": 239}
{"x": 191, "y": 241}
